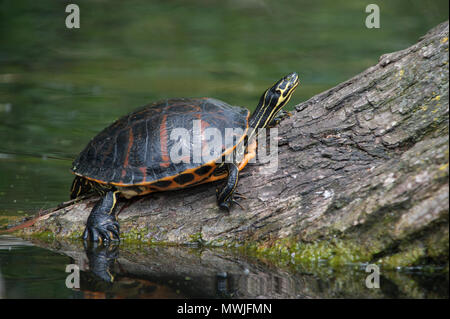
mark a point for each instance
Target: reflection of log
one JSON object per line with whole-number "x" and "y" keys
{"x": 180, "y": 272}
{"x": 364, "y": 163}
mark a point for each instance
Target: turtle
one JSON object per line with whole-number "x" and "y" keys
{"x": 133, "y": 156}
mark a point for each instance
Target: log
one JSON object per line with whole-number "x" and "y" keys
{"x": 362, "y": 176}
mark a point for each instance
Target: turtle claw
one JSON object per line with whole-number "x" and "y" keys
{"x": 102, "y": 228}
{"x": 114, "y": 230}
{"x": 237, "y": 203}
{"x": 280, "y": 117}
{"x": 226, "y": 205}
{"x": 239, "y": 195}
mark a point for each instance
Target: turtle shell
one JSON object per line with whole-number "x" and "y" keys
{"x": 135, "y": 150}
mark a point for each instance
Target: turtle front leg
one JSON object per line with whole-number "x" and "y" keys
{"x": 225, "y": 196}
{"x": 102, "y": 224}
{"x": 279, "y": 117}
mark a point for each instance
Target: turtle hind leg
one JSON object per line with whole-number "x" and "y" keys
{"x": 102, "y": 224}
{"x": 80, "y": 186}
{"x": 225, "y": 196}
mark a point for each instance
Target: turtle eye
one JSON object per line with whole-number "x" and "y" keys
{"x": 278, "y": 91}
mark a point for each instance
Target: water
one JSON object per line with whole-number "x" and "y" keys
{"x": 183, "y": 272}
{"x": 60, "y": 87}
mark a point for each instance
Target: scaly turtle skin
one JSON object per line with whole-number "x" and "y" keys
{"x": 133, "y": 155}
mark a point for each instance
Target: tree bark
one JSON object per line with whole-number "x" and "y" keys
{"x": 362, "y": 175}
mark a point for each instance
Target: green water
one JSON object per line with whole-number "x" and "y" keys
{"x": 59, "y": 86}
{"x": 188, "y": 272}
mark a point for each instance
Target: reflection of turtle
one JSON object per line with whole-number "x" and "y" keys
{"x": 132, "y": 156}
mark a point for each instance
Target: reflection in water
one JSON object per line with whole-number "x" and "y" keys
{"x": 101, "y": 259}
{"x": 182, "y": 272}
{"x": 2, "y": 286}
{"x": 178, "y": 273}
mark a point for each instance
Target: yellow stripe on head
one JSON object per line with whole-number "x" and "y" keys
{"x": 273, "y": 100}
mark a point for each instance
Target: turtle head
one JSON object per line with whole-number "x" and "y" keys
{"x": 273, "y": 100}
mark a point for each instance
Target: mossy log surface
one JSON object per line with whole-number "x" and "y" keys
{"x": 362, "y": 176}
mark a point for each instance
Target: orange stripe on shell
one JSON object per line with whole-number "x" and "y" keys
{"x": 212, "y": 163}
